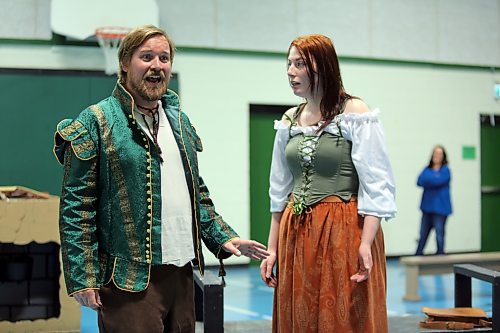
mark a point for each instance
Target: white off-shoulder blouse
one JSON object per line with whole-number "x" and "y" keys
{"x": 376, "y": 193}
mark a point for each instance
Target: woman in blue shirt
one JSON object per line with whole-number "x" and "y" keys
{"x": 436, "y": 203}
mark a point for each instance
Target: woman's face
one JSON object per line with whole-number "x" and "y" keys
{"x": 297, "y": 74}
{"x": 438, "y": 156}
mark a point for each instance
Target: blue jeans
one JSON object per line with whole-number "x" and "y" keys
{"x": 429, "y": 221}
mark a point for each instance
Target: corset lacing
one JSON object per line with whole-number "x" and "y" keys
{"x": 306, "y": 153}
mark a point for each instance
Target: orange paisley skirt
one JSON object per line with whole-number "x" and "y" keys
{"x": 317, "y": 254}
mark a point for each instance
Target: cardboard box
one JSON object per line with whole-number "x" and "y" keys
{"x": 23, "y": 221}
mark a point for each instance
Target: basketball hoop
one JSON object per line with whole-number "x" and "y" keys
{"x": 109, "y": 39}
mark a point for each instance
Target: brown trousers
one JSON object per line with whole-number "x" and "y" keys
{"x": 167, "y": 304}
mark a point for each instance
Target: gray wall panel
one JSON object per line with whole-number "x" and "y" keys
{"x": 190, "y": 22}
{"x": 255, "y": 25}
{"x": 42, "y": 28}
{"x": 347, "y": 23}
{"x": 404, "y": 29}
{"x": 25, "y": 19}
{"x": 469, "y": 31}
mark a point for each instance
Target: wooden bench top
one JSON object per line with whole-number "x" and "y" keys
{"x": 451, "y": 258}
{"x": 442, "y": 264}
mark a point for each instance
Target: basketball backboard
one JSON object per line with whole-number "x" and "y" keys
{"x": 79, "y": 19}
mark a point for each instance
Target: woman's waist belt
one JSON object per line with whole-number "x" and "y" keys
{"x": 299, "y": 207}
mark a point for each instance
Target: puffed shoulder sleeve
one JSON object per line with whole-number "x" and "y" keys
{"x": 74, "y": 133}
{"x": 376, "y": 195}
{"x": 280, "y": 179}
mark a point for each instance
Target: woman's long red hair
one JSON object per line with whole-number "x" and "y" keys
{"x": 320, "y": 57}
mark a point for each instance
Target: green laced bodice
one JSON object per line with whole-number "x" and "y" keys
{"x": 321, "y": 166}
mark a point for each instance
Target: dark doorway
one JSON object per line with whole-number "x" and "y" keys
{"x": 262, "y": 135}
{"x": 490, "y": 182}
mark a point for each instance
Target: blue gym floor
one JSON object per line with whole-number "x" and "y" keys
{"x": 247, "y": 298}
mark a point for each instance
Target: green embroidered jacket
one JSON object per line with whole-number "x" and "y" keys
{"x": 110, "y": 209}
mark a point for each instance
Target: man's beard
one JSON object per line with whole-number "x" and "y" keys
{"x": 148, "y": 93}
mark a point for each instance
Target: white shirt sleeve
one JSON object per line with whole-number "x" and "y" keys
{"x": 280, "y": 179}
{"x": 376, "y": 194}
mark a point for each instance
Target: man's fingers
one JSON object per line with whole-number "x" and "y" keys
{"x": 82, "y": 299}
{"x": 230, "y": 246}
{"x": 89, "y": 298}
{"x": 253, "y": 255}
{"x": 79, "y": 300}
{"x": 259, "y": 254}
{"x": 94, "y": 300}
{"x": 259, "y": 245}
{"x": 98, "y": 298}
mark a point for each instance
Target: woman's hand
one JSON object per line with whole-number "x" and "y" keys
{"x": 266, "y": 271}
{"x": 365, "y": 263}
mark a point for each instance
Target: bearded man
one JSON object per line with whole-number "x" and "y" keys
{"x": 134, "y": 208}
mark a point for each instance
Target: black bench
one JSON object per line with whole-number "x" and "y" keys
{"x": 209, "y": 301}
{"x": 463, "y": 288}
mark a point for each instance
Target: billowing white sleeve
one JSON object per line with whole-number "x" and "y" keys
{"x": 376, "y": 194}
{"x": 280, "y": 178}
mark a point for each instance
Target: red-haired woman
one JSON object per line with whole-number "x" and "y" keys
{"x": 330, "y": 185}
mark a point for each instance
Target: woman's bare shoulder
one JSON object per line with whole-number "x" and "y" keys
{"x": 356, "y": 105}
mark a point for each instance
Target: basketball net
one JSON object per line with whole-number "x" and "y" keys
{"x": 109, "y": 39}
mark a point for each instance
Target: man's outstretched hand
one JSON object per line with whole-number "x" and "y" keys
{"x": 249, "y": 248}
